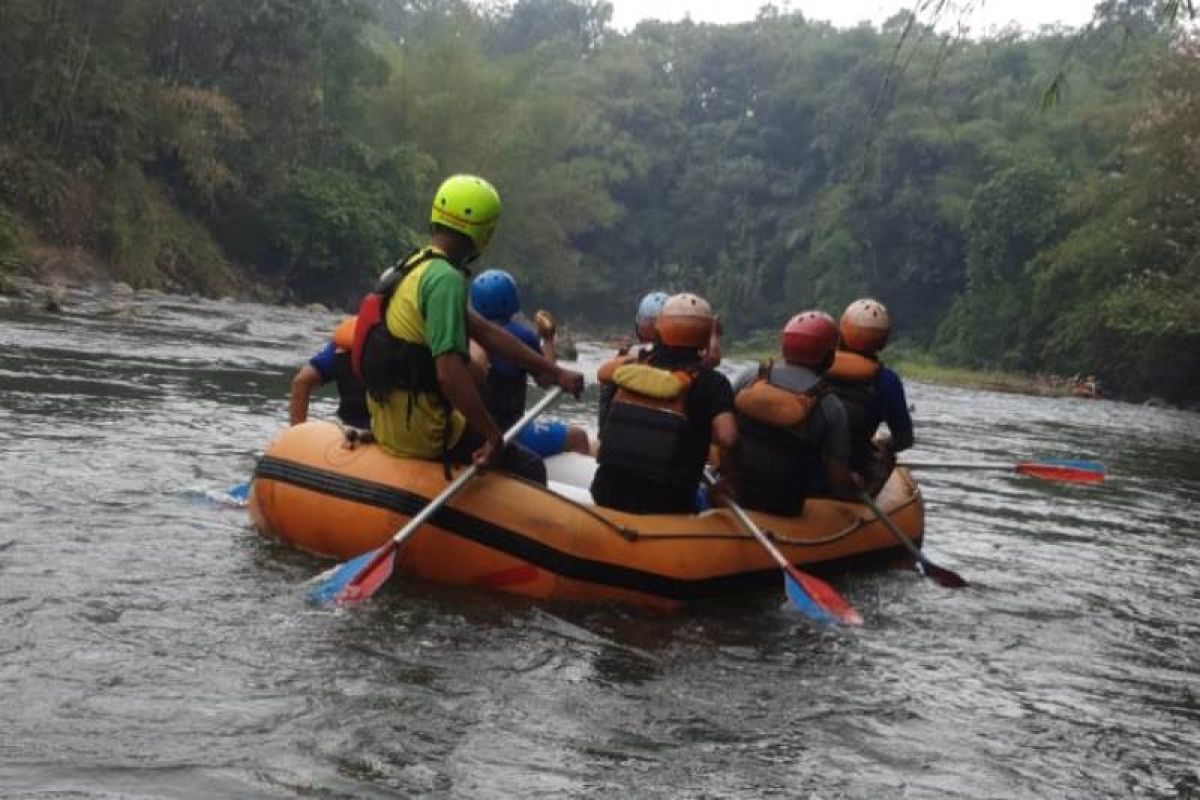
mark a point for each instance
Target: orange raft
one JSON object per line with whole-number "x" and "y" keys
{"x": 313, "y": 491}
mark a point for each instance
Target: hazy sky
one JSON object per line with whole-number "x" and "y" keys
{"x": 978, "y": 14}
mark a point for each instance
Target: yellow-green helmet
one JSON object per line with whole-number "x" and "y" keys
{"x": 469, "y": 205}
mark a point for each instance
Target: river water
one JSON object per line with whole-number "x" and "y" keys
{"x": 152, "y": 645}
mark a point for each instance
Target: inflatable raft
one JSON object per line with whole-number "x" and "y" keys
{"x": 500, "y": 532}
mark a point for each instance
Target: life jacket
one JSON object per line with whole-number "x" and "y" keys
{"x": 386, "y": 363}
{"x": 382, "y": 361}
{"x": 852, "y": 379}
{"x": 352, "y": 395}
{"x": 506, "y": 387}
{"x": 646, "y": 429}
{"x": 778, "y": 464}
{"x": 633, "y": 354}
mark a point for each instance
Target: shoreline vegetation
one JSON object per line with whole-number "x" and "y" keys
{"x": 1020, "y": 200}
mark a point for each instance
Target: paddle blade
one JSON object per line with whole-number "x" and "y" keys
{"x": 826, "y": 597}
{"x": 945, "y": 577}
{"x": 367, "y": 582}
{"x": 799, "y": 600}
{"x": 344, "y": 584}
{"x": 1064, "y": 471}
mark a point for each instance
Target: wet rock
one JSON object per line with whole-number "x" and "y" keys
{"x": 237, "y": 326}
{"x": 317, "y": 308}
{"x": 56, "y": 297}
{"x": 121, "y": 289}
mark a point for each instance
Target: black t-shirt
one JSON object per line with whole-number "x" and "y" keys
{"x": 709, "y": 395}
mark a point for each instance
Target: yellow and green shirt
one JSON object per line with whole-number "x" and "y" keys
{"x": 430, "y": 307}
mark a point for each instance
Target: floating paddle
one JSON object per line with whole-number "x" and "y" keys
{"x": 926, "y": 567}
{"x": 1050, "y": 469}
{"x": 360, "y": 577}
{"x": 810, "y": 595}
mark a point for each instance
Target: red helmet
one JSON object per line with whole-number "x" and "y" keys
{"x": 865, "y": 326}
{"x": 809, "y": 339}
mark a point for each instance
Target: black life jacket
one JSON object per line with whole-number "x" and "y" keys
{"x": 778, "y": 463}
{"x": 387, "y": 363}
{"x": 352, "y": 395}
{"x": 505, "y": 398}
{"x": 852, "y": 379}
{"x": 646, "y": 430}
{"x": 505, "y": 390}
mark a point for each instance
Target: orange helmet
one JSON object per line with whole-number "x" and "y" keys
{"x": 686, "y": 320}
{"x": 865, "y": 326}
{"x": 809, "y": 339}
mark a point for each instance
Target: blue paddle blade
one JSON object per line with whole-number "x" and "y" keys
{"x": 1089, "y": 466}
{"x": 333, "y": 582}
{"x": 240, "y": 492}
{"x": 803, "y": 603}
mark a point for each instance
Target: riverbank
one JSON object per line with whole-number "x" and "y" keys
{"x": 916, "y": 366}
{"x": 1039, "y": 385}
{"x": 40, "y": 271}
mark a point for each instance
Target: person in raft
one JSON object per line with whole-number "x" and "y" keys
{"x": 667, "y": 410}
{"x": 871, "y": 393}
{"x": 793, "y": 436}
{"x": 644, "y": 329}
{"x": 332, "y": 363}
{"x": 494, "y": 295}
{"x": 410, "y": 345}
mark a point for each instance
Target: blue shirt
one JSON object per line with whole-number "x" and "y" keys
{"x": 322, "y": 362}
{"x": 504, "y": 369}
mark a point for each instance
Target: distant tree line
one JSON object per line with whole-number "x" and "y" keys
{"x": 773, "y": 165}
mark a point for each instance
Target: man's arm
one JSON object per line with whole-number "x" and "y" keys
{"x": 479, "y": 364}
{"x": 724, "y": 433}
{"x": 499, "y": 342}
{"x": 895, "y": 412}
{"x": 454, "y": 379}
{"x": 306, "y": 379}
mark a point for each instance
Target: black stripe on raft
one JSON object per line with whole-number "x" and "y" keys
{"x": 518, "y": 545}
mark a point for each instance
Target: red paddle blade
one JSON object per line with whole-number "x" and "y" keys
{"x": 1066, "y": 472}
{"x": 367, "y": 582}
{"x": 827, "y": 598}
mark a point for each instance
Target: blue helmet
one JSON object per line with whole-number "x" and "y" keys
{"x": 650, "y": 307}
{"x": 494, "y": 295}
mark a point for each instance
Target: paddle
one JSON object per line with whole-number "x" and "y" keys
{"x": 810, "y": 595}
{"x": 1050, "y": 469}
{"x": 360, "y": 577}
{"x": 926, "y": 567}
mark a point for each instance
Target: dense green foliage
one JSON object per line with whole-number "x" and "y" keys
{"x": 1020, "y": 202}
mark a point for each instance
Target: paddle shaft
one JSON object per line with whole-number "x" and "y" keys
{"x": 980, "y": 465}
{"x": 829, "y": 605}
{"x": 891, "y": 526}
{"x": 757, "y": 533}
{"x": 461, "y": 479}
{"x": 929, "y": 569}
